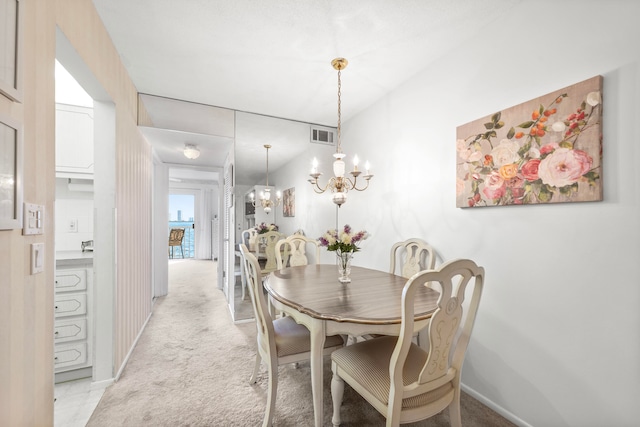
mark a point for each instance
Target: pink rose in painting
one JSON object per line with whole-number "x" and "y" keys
{"x": 564, "y": 167}
{"x": 515, "y": 182}
{"x": 548, "y": 148}
{"x": 516, "y": 185}
{"x": 530, "y": 170}
{"x": 495, "y": 186}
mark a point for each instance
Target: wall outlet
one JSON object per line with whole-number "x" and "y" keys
{"x": 72, "y": 226}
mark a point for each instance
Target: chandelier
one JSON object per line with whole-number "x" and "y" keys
{"x": 339, "y": 184}
{"x": 265, "y": 196}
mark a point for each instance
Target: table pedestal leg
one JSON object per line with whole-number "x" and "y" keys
{"x": 317, "y": 346}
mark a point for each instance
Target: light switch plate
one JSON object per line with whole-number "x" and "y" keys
{"x": 33, "y": 221}
{"x": 37, "y": 258}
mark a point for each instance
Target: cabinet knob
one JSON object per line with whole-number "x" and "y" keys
{"x": 56, "y": 333}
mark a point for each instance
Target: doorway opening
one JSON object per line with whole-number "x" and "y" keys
{"x": 182, "y": 216}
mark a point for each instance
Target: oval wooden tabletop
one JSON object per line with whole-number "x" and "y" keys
{"x": 372, "y": 297}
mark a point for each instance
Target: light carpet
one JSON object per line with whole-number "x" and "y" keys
{"x": 191, "y": 367}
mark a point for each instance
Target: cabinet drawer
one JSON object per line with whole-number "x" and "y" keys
{"x": 70, "y": 355}
{"x": 71, "y": 280}
{"x": 70, "y": 305}
{"x": 70, "y": 330}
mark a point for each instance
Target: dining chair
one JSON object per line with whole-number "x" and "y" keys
{"x": 176, "y": 236}
{"x": 280, "y": 341}
{"x": 399, "y": 379}
{"x": 249, "y": 238}
{"x": 270, "y": 238}
{"x": 292, "y": 251}
{"x": 411, "y": 256}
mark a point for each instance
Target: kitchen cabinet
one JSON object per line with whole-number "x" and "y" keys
{"x": 74, "y": 141}
{"x": 73, "y": 338}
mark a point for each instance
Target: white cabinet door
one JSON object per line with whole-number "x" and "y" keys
{"x": 74, "y": 139}
{"x": 70, "y": 330}
{"x": 70, "y": 305}
{"x": 71, "y": 280}
{"x": 70, "y": 355}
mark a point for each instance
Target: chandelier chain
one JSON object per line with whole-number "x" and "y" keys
{"x": 267, "y": 164}
{"x": 339, "y": 150}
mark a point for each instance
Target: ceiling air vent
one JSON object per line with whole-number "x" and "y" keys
{"x": 323, "y": 135}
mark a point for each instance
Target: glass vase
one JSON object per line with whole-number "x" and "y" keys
{"x": 344, "y": 266}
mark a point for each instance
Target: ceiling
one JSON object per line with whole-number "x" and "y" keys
{"x": 273, "y": 57}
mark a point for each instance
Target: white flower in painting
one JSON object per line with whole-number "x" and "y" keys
{"x": 558, "y": 126}
{"x": 505, "y": 153}
{"x": 534, "y": 153}
{"x": 461, "y": 145}
{"x": 593, "y": 98}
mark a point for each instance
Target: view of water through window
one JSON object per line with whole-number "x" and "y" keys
{"x": 181, "y": 215}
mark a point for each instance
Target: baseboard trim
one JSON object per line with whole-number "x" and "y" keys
{"x": 494, "y": 406}
{"x": 135, "y": 342}
{"x": 100, "y": 385}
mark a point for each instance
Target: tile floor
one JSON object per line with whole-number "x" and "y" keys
{"x": 75, "y": 402}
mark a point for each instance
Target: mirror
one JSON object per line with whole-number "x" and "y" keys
{"x": 290, "y": 143}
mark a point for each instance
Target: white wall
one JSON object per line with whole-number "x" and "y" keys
{"x": 76, "y": 207}
{"x": 557, "y": 337}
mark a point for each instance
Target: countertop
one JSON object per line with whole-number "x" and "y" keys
{"x": 74, "y": 259}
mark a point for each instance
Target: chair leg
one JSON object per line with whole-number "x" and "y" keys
{"x": 337, "y": 391}
{"x": 455, "y": 418}
{"x": 256, "y": 368}
{"x": 272, "y": 392}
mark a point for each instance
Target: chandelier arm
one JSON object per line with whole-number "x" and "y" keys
{"x": 319, "y": 190}
{"x": 361, "y": 189}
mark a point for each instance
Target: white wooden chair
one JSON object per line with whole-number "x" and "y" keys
{"x": 398, "y": 378}
{"x": 411, "y": 256}
{"x": 292, "y": 251}
{"x": 271, "y": 238}
{"x": 249, "y": 238}
{"x": 280, "y": 341}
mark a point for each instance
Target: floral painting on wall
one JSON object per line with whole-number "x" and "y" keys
{"x": 289, "y": 202}
{"x": 547, "y": 150}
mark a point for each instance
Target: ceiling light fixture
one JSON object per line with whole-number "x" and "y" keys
{"x": 265, "y": 196}
{"x": 191, "y": 151}
{"x": 339, "y": 184}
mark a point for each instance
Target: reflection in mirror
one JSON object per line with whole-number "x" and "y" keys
{"x": 288, "y": 168}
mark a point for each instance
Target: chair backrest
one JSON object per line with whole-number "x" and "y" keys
{"x": 413, "y": 255}
{"x": 264, "y": 322}
{"x": 292, "y": 251}
{"x": 175, "y": 236}
{"x": 449, "y": 328}
{"x": 271, "y": 238}
{"x": 249, "y": 238}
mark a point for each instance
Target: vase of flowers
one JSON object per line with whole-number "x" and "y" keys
{"x": 263, "y": 227}
{"x": 344, "y": 244}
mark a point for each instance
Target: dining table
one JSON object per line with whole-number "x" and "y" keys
{"x": 369, "y": 304}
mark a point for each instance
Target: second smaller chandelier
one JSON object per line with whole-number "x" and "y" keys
{"x": 265, "y": 196}
{"x": 339, "y": 184}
